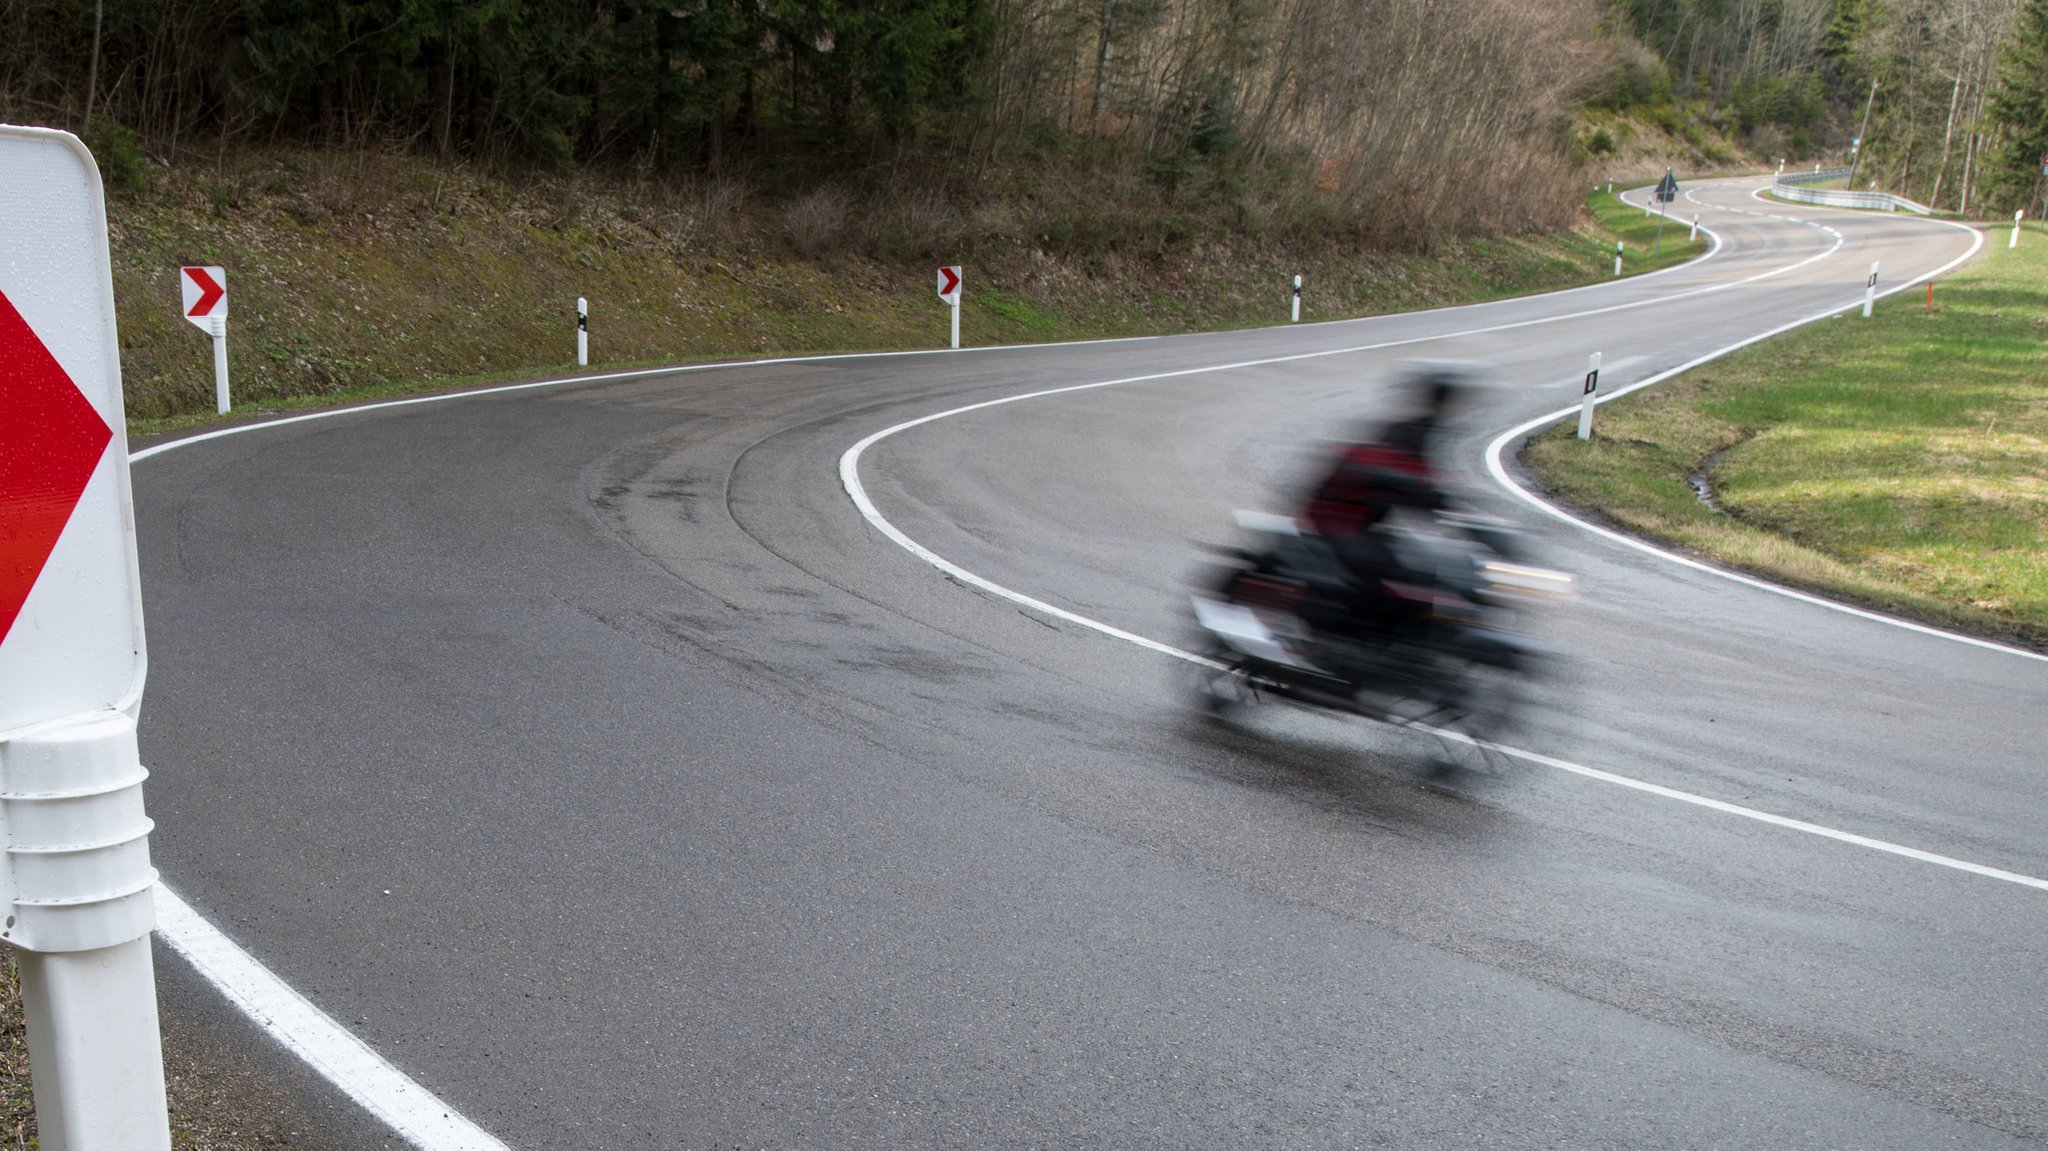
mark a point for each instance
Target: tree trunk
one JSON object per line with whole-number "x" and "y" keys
{"x": 92, "y": 73}
{"x": 1948, "y": 136}
{"x": 1101, "y": 63}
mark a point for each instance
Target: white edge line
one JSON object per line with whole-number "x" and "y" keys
{"x": 1712, "y": 804}
{"x": 1498, "y": 470}
{"x": 411, "y": 1111}
{"x": 849, "y": 478}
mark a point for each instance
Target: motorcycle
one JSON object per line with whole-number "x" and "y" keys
{"x": 1444, "y": 653}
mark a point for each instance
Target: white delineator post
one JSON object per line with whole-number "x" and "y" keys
{"x": 219, "y": 331}
{"x": 582, "y": 332}
{"x": 1695, "y": 227}
{"x": 1870, "y": 290}
{"x": 1296, "y": 317}
{"x": 1586, "y": 403}
{"x": 1617, "y": 257}
{"x": 2015, "y": 241}
{"x": 950, "y": 279}
{"x": 71, "y": 802}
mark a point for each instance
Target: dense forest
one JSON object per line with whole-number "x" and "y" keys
{"x": 1416, "y": 114}
{"x": 1411, "y": 117}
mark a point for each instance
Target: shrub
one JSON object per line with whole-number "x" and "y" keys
{"x": 123, "y": 165}
{"x": 814, "y": 222}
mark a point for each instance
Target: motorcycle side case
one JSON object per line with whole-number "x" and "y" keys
{"x": 1243, "y": 630}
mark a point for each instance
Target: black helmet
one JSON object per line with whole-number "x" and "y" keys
{"x": 1441, "y": 385}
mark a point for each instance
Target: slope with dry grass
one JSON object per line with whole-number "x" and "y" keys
{"x": 352, "y": 272}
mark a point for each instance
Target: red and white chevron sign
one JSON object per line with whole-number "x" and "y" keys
{"x": 206, "y": 295}
{"x": 70, "y": 595}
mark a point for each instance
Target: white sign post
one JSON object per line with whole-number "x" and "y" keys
{"x": 582, "y": 332}
{"x": 949, "y": 291}
{"x": 1296, "y": 318}
{"x": 2015, "y": 241}
{"x": 1589, "y": 397}
{"x": 1870, "y": 290}
{"x": 75, "y": 878}
{"x": 206, "y": 307}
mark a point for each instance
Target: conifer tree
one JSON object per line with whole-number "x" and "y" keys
{"x": 1840, "y": 42}
{"x": 2018, "y": 111}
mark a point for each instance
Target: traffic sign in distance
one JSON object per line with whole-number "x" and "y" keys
{"x": 949, "y": 283}
{"x": 70, "y": 599}
{"x": 1667, "y": 188}
{"x": 206, "y": 295}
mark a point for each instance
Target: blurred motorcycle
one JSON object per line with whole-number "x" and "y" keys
{"x": 1441, "y": 650}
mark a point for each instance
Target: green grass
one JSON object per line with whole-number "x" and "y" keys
{"x": 1900, "y": 461}
{"x": 1655, "y": 241}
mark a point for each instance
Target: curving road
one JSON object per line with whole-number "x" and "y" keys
{"x": 590, "y": 755}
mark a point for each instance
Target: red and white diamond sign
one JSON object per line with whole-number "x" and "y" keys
{"x": 70, "y": 601}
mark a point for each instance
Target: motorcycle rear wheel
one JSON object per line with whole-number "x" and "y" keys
{"x": 1220, "y": 691}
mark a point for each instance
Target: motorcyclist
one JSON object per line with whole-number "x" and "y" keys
{"x": 1390, "y": 468}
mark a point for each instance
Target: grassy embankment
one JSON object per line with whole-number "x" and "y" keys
{"x": 1651, "y": 241}
{"x": 1899, "y": 462}
{"x": 362, "y": 276}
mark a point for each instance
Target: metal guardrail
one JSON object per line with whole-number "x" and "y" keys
{"x": 1792, "y": 186}
{"x": 1817, "y": 176}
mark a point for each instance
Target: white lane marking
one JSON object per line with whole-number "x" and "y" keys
{"x": 502, "y": 389}
{"x": 1578, "y": 379}
{"x": 411, "y": 1111}
{"x": 849, "y": 478}
{"x": 1737, "y": 809}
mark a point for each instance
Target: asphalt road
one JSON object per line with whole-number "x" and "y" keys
{"x": 588, "y": 753}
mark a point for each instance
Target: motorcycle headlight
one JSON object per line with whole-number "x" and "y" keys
{"x": 1526, "y": 584}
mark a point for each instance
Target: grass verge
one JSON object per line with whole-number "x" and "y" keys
{"x": 1653, "y": 241}
{"x": 1899, "y": 462}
